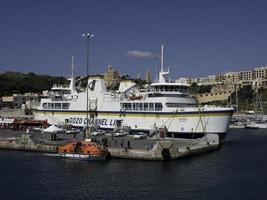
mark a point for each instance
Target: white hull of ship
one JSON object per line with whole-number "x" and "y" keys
{"x": 215, "y": 122}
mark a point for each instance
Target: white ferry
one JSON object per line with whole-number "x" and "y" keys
{"x": 162, "y": 104}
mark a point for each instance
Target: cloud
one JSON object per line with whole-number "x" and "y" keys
{"x": 141, "y": 54}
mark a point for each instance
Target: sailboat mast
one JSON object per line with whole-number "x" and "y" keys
{"x": 236, "y": 98}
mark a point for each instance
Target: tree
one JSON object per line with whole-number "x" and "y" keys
{"x": 245, "y": 97}
{"x": 16, "y": 82}
{"x": 193, "y": 88}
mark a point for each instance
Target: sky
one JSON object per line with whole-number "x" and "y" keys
{"x": 200, "y": 37}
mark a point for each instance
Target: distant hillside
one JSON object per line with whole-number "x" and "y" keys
{"x": 16, "y": 82}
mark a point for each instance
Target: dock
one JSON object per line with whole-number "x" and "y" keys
{"x": 119, "y": 147}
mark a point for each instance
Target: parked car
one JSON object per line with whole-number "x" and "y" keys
{"x": 98, "y": 133}
{"x": 140, "y": 135}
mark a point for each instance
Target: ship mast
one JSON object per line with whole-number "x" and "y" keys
{"x": 72, "y": 80}
{"x": 72, "y": 66}
{"x": 161, "y": 57}
{"x": 162, "y": 73}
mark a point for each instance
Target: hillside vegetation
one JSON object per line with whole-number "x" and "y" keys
{"x": 16, "y": 82}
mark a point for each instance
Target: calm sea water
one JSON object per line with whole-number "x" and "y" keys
{"x": 236, "y": 171}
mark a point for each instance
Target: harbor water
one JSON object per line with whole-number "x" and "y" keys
{"x": 236, "y": 171}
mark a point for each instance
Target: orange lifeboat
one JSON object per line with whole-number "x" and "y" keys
{"x": 86, "y": 150}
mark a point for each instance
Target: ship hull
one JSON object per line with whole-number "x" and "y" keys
{"x": 182, "y": 123}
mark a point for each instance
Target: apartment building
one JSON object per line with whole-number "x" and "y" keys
{"x": 256, "y": 77}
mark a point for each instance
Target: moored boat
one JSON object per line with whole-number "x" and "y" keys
{"x": 84, "y": 150}
{"x": 257, "y": 124}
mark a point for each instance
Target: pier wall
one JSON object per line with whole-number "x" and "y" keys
{"x": 162, "y": 149}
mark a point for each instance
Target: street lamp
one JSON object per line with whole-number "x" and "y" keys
{"x": 87, "y": 36}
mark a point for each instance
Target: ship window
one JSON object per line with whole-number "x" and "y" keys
{"x": 167, "y": 88}
{"x": 65, "y": 106}
{"x": 52, "y": 105}
{"x": 177, "y": 105}
{"x": 140, "y": 107}
{"x": 134, "y": 106}
{"x": 57, "y": 105}
{"x": 172, "y": 105}
{"x": 45, "y": 105}
{"x": 151, "y": 95}
{"x": 91, "y": 85}
{"x": 161, "y": 88}
{"x": 127, "y": 106}
{"x": 158, "y": 106}
{"x": 151, "y": 106}
{"x": 145, "y": 106}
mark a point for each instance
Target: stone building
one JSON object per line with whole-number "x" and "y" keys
{"x": 17, "y": 100}
{"x": 111, "y": 77}
{"x": 148, "y": 77}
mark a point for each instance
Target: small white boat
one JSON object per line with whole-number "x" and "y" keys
{"x": 256, "y": 125}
